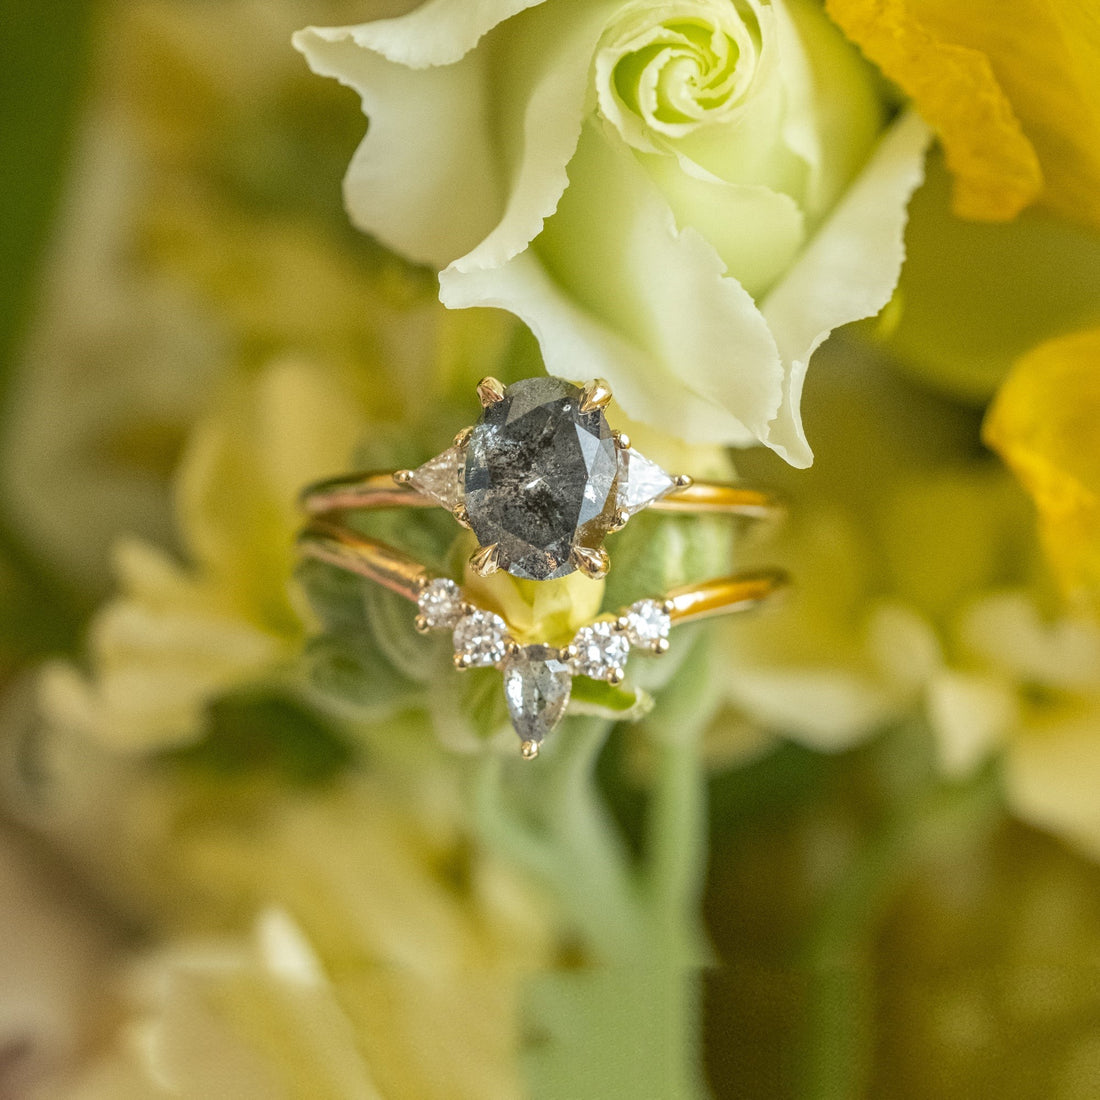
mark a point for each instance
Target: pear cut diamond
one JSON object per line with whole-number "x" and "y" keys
{"x": 441, "y": 477}
{"x": 537, "y": 686}
{"x": 641, "y": 482}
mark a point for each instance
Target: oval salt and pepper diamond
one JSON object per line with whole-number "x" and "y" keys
{"x": 541, "y": 477}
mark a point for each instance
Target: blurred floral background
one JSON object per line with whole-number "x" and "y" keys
{"x": 258, "y": 840}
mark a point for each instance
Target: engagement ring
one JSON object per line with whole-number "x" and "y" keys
{"x": 541, "y": 479}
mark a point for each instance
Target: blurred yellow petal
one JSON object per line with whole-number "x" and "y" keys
{"x": 1045, "y": 424}
{"x": 956, "y": 87}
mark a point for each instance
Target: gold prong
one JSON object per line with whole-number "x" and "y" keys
{"x": 529, "y": 750}
{"x": 463, "y": 437}
{"x": 595, "y": 395}
{"x": 570, "y": 653}
{"x": 615, "y": 676}
{"x": 423, "y": 581}
{"x": 489, "y": 391}
{"x": 621, "y": 625}
{"x": 683, "y": 481}
{"x": 592, "y": 562}
{"x": 668, "y": 606}
{"x": 619, "y": 520}
{"x": 462, "y": 661}
{"x": 486, "y": 561}
{"x": 461, "y": 515}
{"x": 403, "y": 477}
{"x": 622, "y": 440}
{"x": 511, "y": 649}
{"x": 421, "y": 624}
{"x": 466, "y": 607}
{"x": 661, "y": 646}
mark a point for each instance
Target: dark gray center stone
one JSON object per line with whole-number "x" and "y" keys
{"x": 540, "y": 477}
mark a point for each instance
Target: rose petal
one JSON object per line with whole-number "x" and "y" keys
{"x": 848, "y": 271}
{"x": 682, "y": 344}
{"x": 423, "y": 180}
{"x": 439, "y": 32}
{"x": 552, "y": 85}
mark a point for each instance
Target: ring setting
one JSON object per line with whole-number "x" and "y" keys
{"x": 541, "y": 479}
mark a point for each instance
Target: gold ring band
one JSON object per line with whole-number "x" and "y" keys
{"x": 379, "y": 489}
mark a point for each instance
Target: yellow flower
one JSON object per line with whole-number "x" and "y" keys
{"x": 1013, "y": 92}
{"x": 1045, "y": 423}
{"x": 392, "y": 946}
{"x": 179, "y": 634}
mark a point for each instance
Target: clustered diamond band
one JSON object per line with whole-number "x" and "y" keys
{"x": 541, "y": 480}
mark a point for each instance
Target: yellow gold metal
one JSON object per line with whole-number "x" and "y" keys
{"x": 619, "y": 521}
{"x": 330, "y": 542}
{"x": 615, "y": 676}
{"x": 486, "y": 561}
{"x": 733, "y": 500}
{"x": 403, "y": 477}
{"x": 660, "y": 647}
{"x": 421, "y": 624}
{"x": 595, "y": 395}
{"x": 463, "y": 437}
{"x": 386, "y": 489}
{"x": 365, "y": 490}
{"x": 592, "y": 562}
{"x": 324, "y": 540}
{"x": 570, "y": 653}
{"x": 622, "y": 440}
{"x": 461, "y": 661}
{"x": 489, "y": 391}
{"x": 683, "y": 481}
{"x": 462, "y": 515}
{"x": 724, "y": 595}
{"x": 529, "y": 750}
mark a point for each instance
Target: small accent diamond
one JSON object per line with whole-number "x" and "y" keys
{"x": 601, "y": 651}
{"x": 647, "y": 625}
{"x": 481, "y": 639}
{"x": 440, "y": 604}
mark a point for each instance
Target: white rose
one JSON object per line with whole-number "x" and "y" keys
{"x": 682, "y": 197}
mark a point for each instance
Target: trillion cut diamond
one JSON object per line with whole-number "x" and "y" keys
{"x": 440, "y": 603}
{"x": 481, "y": 639}
{"x": 537, "y": 685}
{"x": 540, "y": 477}
{"x": 601, "y": 651}
{"x": 441, "y": 477}
{"x": 641, "y": 482}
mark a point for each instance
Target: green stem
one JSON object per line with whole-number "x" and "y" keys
{"x": 840, "y": 1023}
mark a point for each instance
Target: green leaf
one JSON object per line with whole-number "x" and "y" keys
{"x": 44, "y": 69}
{"x": 262, "y": 730}
{"x": 619, "y": 703}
